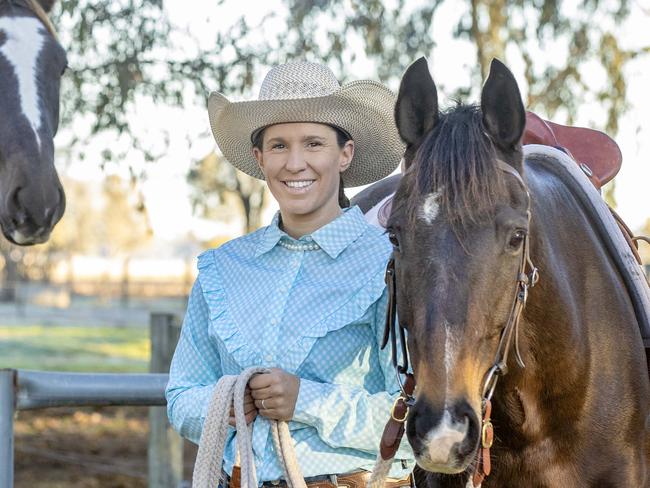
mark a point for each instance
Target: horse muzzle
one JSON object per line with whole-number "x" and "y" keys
{"x": 26, "y": 221}
{"x": 443, "y": 441}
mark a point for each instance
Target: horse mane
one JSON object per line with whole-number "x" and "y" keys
{"x": 40, "y": 13}
{"x": 456, "y": 160}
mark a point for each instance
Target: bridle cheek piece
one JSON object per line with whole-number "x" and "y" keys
{"x": 527, "y": 277}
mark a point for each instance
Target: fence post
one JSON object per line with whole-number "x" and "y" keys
{"x": 165, "y": 445}
{"x": 7, "y": 409}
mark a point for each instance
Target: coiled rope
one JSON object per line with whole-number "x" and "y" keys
{"x": 229, "y": 391}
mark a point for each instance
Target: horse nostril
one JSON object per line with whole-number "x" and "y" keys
{"x": 464, "y": 413}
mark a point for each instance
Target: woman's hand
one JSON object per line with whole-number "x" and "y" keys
{"x": 275, "y": 393}
{"x": 249, "y": 409}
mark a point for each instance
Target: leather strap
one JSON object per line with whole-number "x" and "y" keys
{"x": 483, "y": 462}
{"x": 394, "y": 429}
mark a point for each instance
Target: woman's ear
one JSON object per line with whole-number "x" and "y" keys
{"x": 347, "y": 153}
{"x": 260, "y": 160}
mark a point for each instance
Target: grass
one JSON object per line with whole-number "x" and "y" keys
{"x": 61, "y": 348}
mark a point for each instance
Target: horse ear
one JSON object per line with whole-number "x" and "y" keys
{"x": 416, "y": 110}
{"x": 47, "y": 4}
{"x": 503, "y": 111}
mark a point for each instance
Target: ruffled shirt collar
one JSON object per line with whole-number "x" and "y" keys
{"x": 332, "y": 238}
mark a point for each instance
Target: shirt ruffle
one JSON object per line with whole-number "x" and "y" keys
{"x": 223, "y": 325}
{"x": 241, "y": 349}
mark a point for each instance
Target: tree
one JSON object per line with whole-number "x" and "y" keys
{"x": 214, "y": 181}
{"x": 124, "y": 52}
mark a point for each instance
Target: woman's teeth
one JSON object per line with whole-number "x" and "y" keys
{"x": 298, "y": 184}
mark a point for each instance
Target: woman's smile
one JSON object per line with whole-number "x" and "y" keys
{"x": 298, "y": 186}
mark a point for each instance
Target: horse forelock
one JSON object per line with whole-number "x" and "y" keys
{"x": 456, "y": 163}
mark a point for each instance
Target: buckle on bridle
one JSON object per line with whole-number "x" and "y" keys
{"x": 395, "y": 405}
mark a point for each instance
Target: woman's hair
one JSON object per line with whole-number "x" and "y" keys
{"x": 341, "y": 138}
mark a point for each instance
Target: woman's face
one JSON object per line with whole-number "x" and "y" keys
{"x": 302, "y": 163}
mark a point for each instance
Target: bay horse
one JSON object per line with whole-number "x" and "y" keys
{"x": 468, "y": 220}
{"x": 32, "y": 62}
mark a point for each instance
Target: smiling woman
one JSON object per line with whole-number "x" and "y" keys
{"x": 304, "y": 297}
{"x": 302, "y": 164}
{"x": 31, "y": 64}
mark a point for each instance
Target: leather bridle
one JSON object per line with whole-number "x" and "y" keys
{"x": 527, "y": 277}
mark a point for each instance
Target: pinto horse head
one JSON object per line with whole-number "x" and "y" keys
{"x": 32, "y": 61}
{"x": 457, "y": 225}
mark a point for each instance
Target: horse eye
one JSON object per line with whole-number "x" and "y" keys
{"x": 517, "y": 239}
{"x": 392, "y": 237}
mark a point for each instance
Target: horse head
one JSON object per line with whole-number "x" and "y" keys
{"x": 458, "y": 225}
{"x": 32, "y": 61}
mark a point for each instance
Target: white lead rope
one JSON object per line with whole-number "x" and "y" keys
{"x": 207, "y": 470}
{"x": 228, "y": 391}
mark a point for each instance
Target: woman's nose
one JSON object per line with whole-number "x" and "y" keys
{"x": 296, "y": 160}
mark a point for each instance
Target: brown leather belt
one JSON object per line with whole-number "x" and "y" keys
{"x": 347, "y": 480}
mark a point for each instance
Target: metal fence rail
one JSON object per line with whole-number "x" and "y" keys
{"x": 28, "y": 390}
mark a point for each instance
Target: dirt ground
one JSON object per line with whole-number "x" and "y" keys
{"x": 84, "y": 448}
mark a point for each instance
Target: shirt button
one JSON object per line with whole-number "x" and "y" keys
{"x": 269, "y": 357}
{"x": 274, "y": 322}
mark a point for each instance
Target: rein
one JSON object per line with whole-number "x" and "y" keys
{"x": 527, "y": 277}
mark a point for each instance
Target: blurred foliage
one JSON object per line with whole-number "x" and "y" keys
{"x": 123, "y": 51}
{"x": 218, "y": 185}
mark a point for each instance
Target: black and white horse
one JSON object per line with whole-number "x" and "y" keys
{"x": 31, "y": 64}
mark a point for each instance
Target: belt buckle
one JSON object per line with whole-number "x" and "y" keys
{"x": 334, "y": 480}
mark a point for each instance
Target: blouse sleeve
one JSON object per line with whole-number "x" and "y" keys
{"x": 347, "y": 416}
{"x": 194, "y": 370}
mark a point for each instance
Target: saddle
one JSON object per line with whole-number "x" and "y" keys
{"x": 597, "y": 155}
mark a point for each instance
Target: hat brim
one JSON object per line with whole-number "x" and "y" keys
{"x": 364, "y": 109}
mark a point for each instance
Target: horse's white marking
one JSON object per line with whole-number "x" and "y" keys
{"x": 25, "y": 39}
{"x": 439, "y": 444}
{"x": 430, "y": 208}
{"x": 449, "y": 358}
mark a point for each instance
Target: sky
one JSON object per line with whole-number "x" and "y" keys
{"x": 171, "y": 217}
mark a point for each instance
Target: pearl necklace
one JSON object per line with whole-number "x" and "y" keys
{"x": 299, "y": 247}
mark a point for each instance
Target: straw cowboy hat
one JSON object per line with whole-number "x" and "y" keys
{"x": 309, "y": 92}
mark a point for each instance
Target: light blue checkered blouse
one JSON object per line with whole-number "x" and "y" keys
{"x": 314, "y": 307}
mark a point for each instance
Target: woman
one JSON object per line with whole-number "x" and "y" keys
{"x": 304, "y": 296}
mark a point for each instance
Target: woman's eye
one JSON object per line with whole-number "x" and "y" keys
{"x": 516, "y": 239}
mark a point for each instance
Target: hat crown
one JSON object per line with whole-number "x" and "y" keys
{"x": 298, "y": 80}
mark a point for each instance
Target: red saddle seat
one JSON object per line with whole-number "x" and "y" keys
{"x": 597, "y": 154}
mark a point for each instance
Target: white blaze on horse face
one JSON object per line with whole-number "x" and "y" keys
{"x": 430, "y": 208}
{"x": 25, "y": 38}
{"x": 440, "y": 442}
{"x": 450, "y": 344}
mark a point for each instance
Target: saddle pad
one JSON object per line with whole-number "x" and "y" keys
{"x": 561, "y": 165}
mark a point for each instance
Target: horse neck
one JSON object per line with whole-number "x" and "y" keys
{"x": 569, "y": 318}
